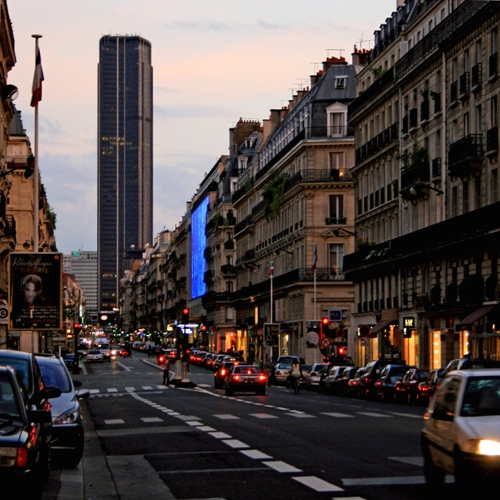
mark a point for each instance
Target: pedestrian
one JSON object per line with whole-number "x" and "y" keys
{"x": 296, "y": 375}
{"x": 149, "y": 350}
{"x": 166, "y": 371}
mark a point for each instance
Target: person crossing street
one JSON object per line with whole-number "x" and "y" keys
{"x": 166, "y": 371}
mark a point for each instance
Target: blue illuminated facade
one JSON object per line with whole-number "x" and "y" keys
{"x": 198, "y": 245}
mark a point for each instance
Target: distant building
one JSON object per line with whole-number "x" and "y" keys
{"x": 125, "y": 157}
{"x": 83, "y": 265}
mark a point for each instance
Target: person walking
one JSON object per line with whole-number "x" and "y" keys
{"x": 295, "y": 374}
{"x": 166, "y": 371}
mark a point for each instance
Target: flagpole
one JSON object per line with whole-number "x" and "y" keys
{"x": 35, "y": 175}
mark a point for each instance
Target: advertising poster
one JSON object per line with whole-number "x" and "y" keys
{"x": 35, "y": 291}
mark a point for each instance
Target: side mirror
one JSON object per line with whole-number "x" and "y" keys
{"x": 82, "y": 393}
{"x": 50, "y": 392}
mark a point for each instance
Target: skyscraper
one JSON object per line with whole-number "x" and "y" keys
{"x": 125, "y": 157}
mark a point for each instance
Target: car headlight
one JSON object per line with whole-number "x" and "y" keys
{"x": 482, "y": 447}
{"x": 68, "y": 417}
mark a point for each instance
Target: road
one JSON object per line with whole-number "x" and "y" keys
{"x": 200, "y": 444}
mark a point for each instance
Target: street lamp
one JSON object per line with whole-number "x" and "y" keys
{"x": 414, "y": 190}
{"x": 28, "y": 171}
{"x": 336, "y": 232}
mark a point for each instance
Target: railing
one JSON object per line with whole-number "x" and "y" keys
{"x": 436, "y": 168}
{"x": 465, "y": 154}
{"x": 477, "y": 75}
{"x": 464, "y": 85}
{"x": 10, "y": 226}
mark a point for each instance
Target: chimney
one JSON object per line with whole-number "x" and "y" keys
{"x": 360, "y": 57}
{"x": 333, "y": 61}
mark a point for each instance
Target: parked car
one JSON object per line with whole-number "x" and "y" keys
{"x": 281, "y": 373}
{"x": 461, "y": 431}
{"x": 95, "y": 356}
{"x": 385, "y": 386}
{"x": 427, "y": 387}
{"x": 314, "y": 376}
{"x": 287, "y": 360}
{"x": 67, "y": 429}
{"x": 330, "y": 380}
{"x": 406, "y": 389}
{"x": 244, "y": 378}
{"x": 38, "y": 392}
{"x": 69, "y": 361}
{"x": 372, "y": 373}
{"x": 353, "y": 382}
{"x": 467, "y": 363}
{"x": 340, "y": 388}
{"x": 24, "y": 462}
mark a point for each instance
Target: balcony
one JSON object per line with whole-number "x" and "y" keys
{"x": 228, "y": 270}
{"x": 229, "y": 245}
{"x": 466, "y": 156}
{"x": 9, "y": 226}
{"x": 336, "y": 221}
{"x": 492, "y": 142}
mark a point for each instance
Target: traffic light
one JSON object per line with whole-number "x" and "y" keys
{"x": 185, "y": 316}
{"x": 77, "y": 328}
{"x": 325, "y": 327}
{"x": 341, "y": 351}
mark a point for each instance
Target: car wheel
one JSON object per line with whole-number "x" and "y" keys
{"x": 465, "y": 480}
{"x": 434, "y": 476}
{"x": 75, "y": 456}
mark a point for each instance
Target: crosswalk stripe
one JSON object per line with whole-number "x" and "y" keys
{"x": 94, "y": 391}
{"x": 112, "y": 389}
{"x": 147, "y": 387}
{"x": 301, "y": 415}
{"x": 130, "y": 389}
{"x": 114, "y": 421}
{"x": 280, "y": 466}
{"x": 337, "y": 415}
{"x": 371, "y": 414}
{"x": 150, "y": 420}
{"x": 317, "y": 484}
{"x": 227, "y": 416}
{"x": 262, "y": 415}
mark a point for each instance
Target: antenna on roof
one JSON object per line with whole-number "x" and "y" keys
{"x": 328, "y": 52}
{"x": 302, "y": 80}
{"x": 316, "y": 64}
{"x": 360, "y": 41}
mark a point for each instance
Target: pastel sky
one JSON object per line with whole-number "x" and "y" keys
{"x": 214, "y": 61}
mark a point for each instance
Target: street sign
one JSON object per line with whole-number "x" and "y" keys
{"x": 325, "y": 342}
{"x": 335, "y": 315}
{"x": 4, "y": 315}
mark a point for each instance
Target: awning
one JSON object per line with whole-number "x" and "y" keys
{"x": 474, "y": 316}
{"x": 381, "y": 326}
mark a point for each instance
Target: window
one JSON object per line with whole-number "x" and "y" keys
{"x": 465, "y": 197}
{"x": 337, "y": 161}
{"x": 336, "y": 214}
{"x": 229, "y": 286}
{"x": 340, "y": 82}
{"x": 494, "y": 185}
{"x": 336, "y": 259}
{"x": 337, "y": 120}
{"x": 494, "y": 111}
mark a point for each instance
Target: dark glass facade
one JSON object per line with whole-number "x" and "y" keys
{"x": 125, "y": 157}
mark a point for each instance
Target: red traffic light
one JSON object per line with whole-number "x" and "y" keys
{"x": 185, "y": 311}
{"x": 203, "y": 328}
{"x": 342, "y": 351}
{"x": 77, "y": 325}
{"x": 325, "y": 321}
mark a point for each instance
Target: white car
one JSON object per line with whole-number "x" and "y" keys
{"x": 461, "y": 432}
{"x": 94, "y": 355}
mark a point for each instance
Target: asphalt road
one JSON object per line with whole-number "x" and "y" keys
{"x": 148, "y": 440}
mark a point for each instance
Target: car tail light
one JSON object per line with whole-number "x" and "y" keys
{"x": 423, "y": 388}
{"x": 22, "y": 457}
{"x": 236, "y": 377}
{"x": 161, "y": 359}
{"x": 223, "y": 372}
{"x": 262, "y": 377}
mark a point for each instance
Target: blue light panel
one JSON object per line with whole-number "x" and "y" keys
{"x": 198, "y": 245}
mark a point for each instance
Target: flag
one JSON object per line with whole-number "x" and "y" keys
{"x": 271, "y": 270}
{"x": 315, "y": 258}
{"x": 37, "y": 81}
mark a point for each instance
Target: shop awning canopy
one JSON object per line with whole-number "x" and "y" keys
{"x": 474, "y": 316}
{"x": 382, "y": 325}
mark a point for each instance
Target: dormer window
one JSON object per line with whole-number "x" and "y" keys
{"x": 337, "y": 120}
{"x": 340, "y": 82}
{"x": 242, "y": 163}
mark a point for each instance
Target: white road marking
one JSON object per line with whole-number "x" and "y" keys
{"x": 147, "y": 387}
{"x": 383, "y": 481}
{"x": 256, "y": 454}
{"x": 204, "y": 385}
{"x": 280, "y": 466}
{"x": 317, "y": 484}
{"x": 94, "y": 391}
{"x": 408, "y": 415}
{"x": 419, "y": 461}
{"x": 114, "y": 421}
{"x": 125, "y": 367}
{"x": 206, "y": 428}
{"x": 301, "y": 415}
{"x": 194, "y": 423}
{"x": 112, "y": 389}
{"x": 337, "y": 415}
{"x": 150, "y": 420}
{"x": 370, "y": 414}
{"x": 130, "y": 389}
{"x": 235, "y": 443}
{"x": 187, "y": 417}
{"x": 220, "y": 435}
{"x": 162, "y": 387}
{"x": 262, "y": 415}
{"x": 227, "y": 416}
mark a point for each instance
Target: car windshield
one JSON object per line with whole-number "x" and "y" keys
{"x": 481, "y": 397}
{"x": 23, "y": 368}
{"x": 8, "y": 402}
{"x": 283, "y": 366}
{"x": 55, "y": 375}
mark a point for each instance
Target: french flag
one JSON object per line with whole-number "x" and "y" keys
{"x": 271, "y": 270}
{"x": 315, "y": 258}
{"x": 37, "y": 81}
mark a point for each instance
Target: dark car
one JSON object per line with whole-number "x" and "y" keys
{"x": 221, "y": 374}
{"x": 23, "y": 459}
{"x": 245, "y": 378}
{"x": 427, "y": 387}
{"x": 67, "y": 429}
{"x": 373, "y": 370}
{"x": 330, "y": 380}
{"x": 38, "y": 392}
{"x": 385, "y": 386}
{"x": 353, "y": 382}
{"x": 340, "y": 387}
{"x": 406, "y": 389}
{"x": 69, "y": 360}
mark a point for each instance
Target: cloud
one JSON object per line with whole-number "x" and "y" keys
{"x": 227, "y": 27}
{"x": 191, "y": 111}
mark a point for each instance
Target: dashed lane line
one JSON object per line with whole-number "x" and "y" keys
{"x": 317, "y": 484}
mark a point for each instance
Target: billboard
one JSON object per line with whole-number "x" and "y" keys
{"x": 35, "y": 291}
{"x": 198, "y": 245}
